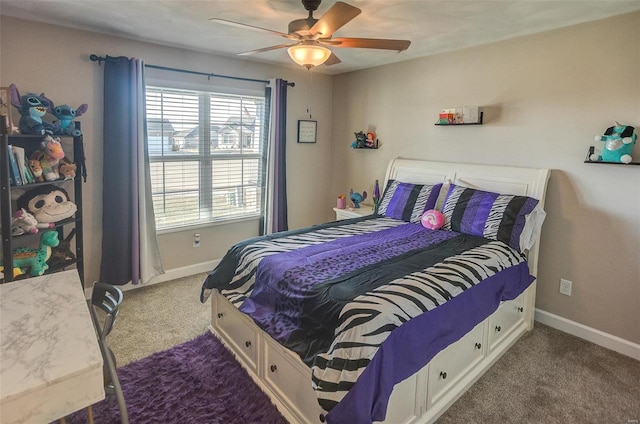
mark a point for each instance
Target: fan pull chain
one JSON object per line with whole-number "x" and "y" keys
{"x": 309, "y": 94}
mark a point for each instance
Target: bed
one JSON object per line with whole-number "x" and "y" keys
{"x": 377, "y": 319}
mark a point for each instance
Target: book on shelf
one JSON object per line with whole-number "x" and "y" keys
{"x": 18, "y": 152}
{"x": 14, "y": 172}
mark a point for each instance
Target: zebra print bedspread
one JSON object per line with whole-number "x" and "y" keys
{"x": 340, "y": 294}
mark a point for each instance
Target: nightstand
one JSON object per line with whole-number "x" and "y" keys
{"x": 363, "y": 210}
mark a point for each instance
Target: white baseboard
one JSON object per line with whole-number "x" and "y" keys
{"x": 171, "y": 274}
{"x": 592, "y": 335}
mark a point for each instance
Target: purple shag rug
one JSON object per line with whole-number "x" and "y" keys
{"x": 196, "y": 382}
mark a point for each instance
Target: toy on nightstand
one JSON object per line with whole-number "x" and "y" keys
{"x": 357, "y": 198}
{"x": 618, "y": 144}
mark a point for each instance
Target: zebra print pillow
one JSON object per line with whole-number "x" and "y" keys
{"x": 483, "y": 213}
{"x": 407, "y": 201}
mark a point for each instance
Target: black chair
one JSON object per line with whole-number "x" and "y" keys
{"x": 104, "y": 306}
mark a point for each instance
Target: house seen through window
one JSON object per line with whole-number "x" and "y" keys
{"x": 206, "y": 152}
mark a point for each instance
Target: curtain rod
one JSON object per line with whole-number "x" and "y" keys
{"x": 100, "y": 59}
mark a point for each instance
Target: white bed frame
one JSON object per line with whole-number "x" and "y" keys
{"x": 423, "y": 397}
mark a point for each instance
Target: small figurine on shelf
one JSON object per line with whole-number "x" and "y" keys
{"x": 376, "y": 197}
{"x": 36, "y": 169}
{"x": 370, "y": 142}
{"x": 360, "y": 141}
{"x": 618, "y": 143}
{"x": 357, "y": 198}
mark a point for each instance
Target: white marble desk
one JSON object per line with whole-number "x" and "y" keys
{"x": 50, "y": 361}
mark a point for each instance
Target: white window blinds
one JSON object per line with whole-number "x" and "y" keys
{"x": 206, "y": 153}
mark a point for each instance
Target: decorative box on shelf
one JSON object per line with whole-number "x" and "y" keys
{"x": 468, "y": 115}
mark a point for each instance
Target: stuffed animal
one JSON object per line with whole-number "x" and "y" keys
{"x": 618, "y": 144}
{"x": 34, "y": 261}
{"x": 67, "y": 169}
{"x": 47, "y": 203}
{"x": 32, "y": 108}
{"x": 370, "y": 142}
{"x": 63, "y": 254}
{"x": 25, "y": 223}
{"x": 49, "y": 154}
{"x": 357, "y": 198}
{"x": 65, "y": 115}
{"x": 16, "y": 272}
{"x": 36, "y": 169}
{"x": 360, "y": 141}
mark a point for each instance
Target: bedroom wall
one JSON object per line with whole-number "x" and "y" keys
{"x": 545, "y": 97}
{"x": 39, "y": 57}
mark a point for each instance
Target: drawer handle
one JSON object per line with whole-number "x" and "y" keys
{"x": 443, "y": 375}
{"x": 478, "y": 346}
{"x": 322, "y": 418}
{"x": 520, "y": 309}
{"x": 247, "y": 343}
{"x": 273, "y": 368}
{"x": 220, "y": 315}
{"x": 498, "y": 328}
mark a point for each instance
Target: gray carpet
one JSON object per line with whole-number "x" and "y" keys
{"x": 547, "y": 377}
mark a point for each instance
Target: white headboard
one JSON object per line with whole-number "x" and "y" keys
{"x": 530, "y": 182}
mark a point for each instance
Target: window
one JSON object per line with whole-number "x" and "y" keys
{"x": 206, "y": 155}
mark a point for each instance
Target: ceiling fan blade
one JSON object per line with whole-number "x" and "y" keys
{"x": 254, "y": 28}
{"x": 370, "y": 43}
{"x": 338, "y": 15}
{"x": 265, "y": 49}
{"x": 333, "y": 60}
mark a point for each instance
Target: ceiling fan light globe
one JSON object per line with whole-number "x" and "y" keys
{"x": 308, "y": 55}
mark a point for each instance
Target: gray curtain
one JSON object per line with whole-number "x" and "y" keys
{"x": 275, "y": 211}
{"x": 130, "y": 250}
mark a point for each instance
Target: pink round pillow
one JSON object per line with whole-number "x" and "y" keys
{"x": 432, "y": 219}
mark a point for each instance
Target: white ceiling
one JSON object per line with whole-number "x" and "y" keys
{"x": 432, "y": 26}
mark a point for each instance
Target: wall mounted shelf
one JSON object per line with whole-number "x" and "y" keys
{"x": 463, "y": 123}
{"x": 590, "y": 152}
{"x": 611, "y": 163}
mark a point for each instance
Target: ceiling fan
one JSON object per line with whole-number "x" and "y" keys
{"x": 311, "y": 36}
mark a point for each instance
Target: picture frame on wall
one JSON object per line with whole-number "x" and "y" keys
{"x": 307, "y": 131}
{"x": 5, "y": 108}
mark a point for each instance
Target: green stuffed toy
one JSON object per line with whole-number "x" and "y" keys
{"x": 618, "y": 144}
{"x": 34, "y": 261}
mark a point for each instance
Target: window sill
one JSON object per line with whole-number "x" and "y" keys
{"x": 207, "y": 225}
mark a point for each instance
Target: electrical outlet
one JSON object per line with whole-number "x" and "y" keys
{"x": 565, "y": 287}
{"x": 196, "y": 240}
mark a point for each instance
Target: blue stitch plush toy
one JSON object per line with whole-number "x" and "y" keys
{"x": 618, "y": 144}
{"x": 65, "y": 115}
{"x": 32, "y": 108}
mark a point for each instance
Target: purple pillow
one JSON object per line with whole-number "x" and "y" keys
{"x": 483, "y": 213}
{"x": 407, "y": 201}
